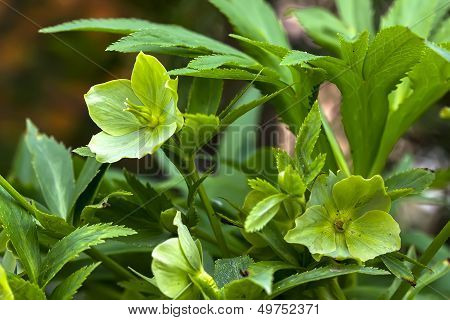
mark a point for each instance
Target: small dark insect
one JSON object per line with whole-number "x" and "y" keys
{"x": 244, "y": 273}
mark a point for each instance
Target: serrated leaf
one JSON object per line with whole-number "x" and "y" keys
{"x": 113, "y": 25}
{"x": 320, "y": 274}
{"x": 56, "y": 178}
{"x": 295, "y": 57}
{"x": 228, "y": 270}
{"x": 426, "y": 91}
{"x": 398, "y": 268}
{"x": 76, "y": 242}
{"x": 25, "y": 290}
{"x": 372, "y": 75}
{"x": 21, "y": 230}
{"x": 214, "y": 61}
{"x": 262, "y": 186}
{"x": 263, "y": 212}
{"x": 224, "y": 73}
{"x": 172, "y": 39}
{"x": 413, "y": 181}
{"x": 88, "y": 212}
{"x": 70, "y": 285}
{"x": 205, "y": 96}
{"x": 306, "y": 140}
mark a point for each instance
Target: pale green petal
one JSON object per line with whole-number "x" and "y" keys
{"x": 106, "y": 102}
{"x": 373, "y": 234}
{"x": 148, "y": 81}
{"x": 360, "y": 195}
{"x": 187, "y": 244}
{"x": 315, "y": 230}
{"x": 136, "y": 144}
{"x": 171, "y": 269}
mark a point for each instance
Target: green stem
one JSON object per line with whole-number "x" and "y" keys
{"x": 336, "y": 289}
{"x": 425, "y": 258}
{"x": 93, "y": 253}
{"x": 109, "y": 263}
{"x": 335, "y": 147}
{"x": 214, "y": 222}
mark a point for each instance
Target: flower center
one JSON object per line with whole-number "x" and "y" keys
{"x": 142, "y": 113}
{"x": 339, "y": 225}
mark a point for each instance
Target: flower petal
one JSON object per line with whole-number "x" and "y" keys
{"x": 373, "y": 234}
{"x": 171, "y": 270}
{"x": 136, "y": 144}
{"x": 106, "y": 102}
{"x": 315, "y": 230}
{"x": 360, "y": 195}
{"x": 148, "y": 80}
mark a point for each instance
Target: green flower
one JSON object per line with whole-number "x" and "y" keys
{"x": 347, "y": 218}
{"x": 137, "y": 116}
{"x": 178, "y": 267}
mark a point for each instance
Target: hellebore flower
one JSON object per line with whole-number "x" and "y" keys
{"x": 347, "y": 218}
{"x": 178, "y": 267}
{"x": 137, "y": 116}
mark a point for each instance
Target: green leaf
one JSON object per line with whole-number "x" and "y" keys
{"x": 84, "y": 152}
{"x": 171, "y": 39}
{"x": 306, "y": 140}
{"x": 274, "y": 239}
{"x": 5, "y": 290}
{"x": 228, "y": 270}
{"x": 70, "y": 285}
{"x": 263, "y": 186}
{"x": 88, "y": 214}
{"x": 322, "y": 27}
{"x": 398, "y": 268}
{"x": 263, "y": 25}
{"x": 25, "y": 290}
{"x": 321, "y": 274}
{"x": 21, "y": 230}
{"x": 117, "y": 25}
{"x": 225, "y": 74}
{"x": 365, "y": 85}
{"x": 218, "y": 60}
{"x": 426, "y": 92}
{"x": 291, "y": 182}
{"x": 56, "y": 178}
{"x": 295, "y": 57}
{"x": 417, "y": 15}
{"x": 106, "y": 105}
{"x": 413, "y": 181}
{"x": 263, "y": 212}
{"x": 89, "y": 171}
{"x": 205, "y": 96}
{"x": 198, "y": 130}
{"x": 76, "y": 242}
{"x": 262, "y": 273}
{"x": 356, "y": 14}
{"x": 439, "y": 270}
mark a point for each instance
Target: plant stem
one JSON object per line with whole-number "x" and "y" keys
{"x": 335, "y": 147}
{"x": 109, "y": 263}
{"x": 215, "y": 224}
{"x": 425, "y": 258}
{"x": 93, "y": 253}
{"x": 336, "y": 289}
